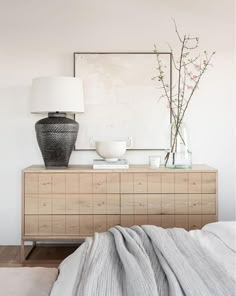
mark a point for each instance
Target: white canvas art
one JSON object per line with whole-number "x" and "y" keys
{"x": 122, "y": 100}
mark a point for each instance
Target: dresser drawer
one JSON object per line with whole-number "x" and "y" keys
{"x": 44, "y": 183}
{"x": 195, "y": 222}
{"x": 120, "y": 182}
{"x": 140, "y": 203}
{"x": 69, "y": 225}
{"x": 131, "y": 220}
{"x": 166, "y": 221}
{"x": 168, "y": 183}
{"x": 182, "y": 221}
{"x": 87, "y": 203}
{"x": 167, "y": 204}
{"x": 47, "y": 183}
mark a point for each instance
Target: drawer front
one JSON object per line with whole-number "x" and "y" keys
{"x": 182, "y": 221}
{"x": 168, "y": 183}
{"x": 168, "y": 221}
{"x": 99, "y": 183}
{"x": 181, "y": 204}
{"x": 147, "y": 182}
{"x": 86, "y": 225}
{"x": 140, "y": 183}
{"x": 168, "y": 204}
{"x": 31, "y": 204}
{"x": 68, "y": 225}
{"x": 131, "y": 220}
{"x": 195, "y": 204}
{"x": 154, "y": 183}
{"x": 206, "y": 219}
{"x": 46, "y": 183}
{"x": 87, "y": 203}
{"x": 195, "y": 182}
{"x": 127, "y": 182}
{"x": 120, "y": 182}
{"x": 45, "y": 225}
{"x": 72, "y": 183}
{"x": 181, "y": 183}
{"x": 31, "y": 225}
{"x": 209, "y": 204}
{"x": 31, "y": 182}
{"x": 208, "y": 182}
{"x": 154, "y": 220}
{"x": 195, "y": 222}
{"x": 198, "y": 221}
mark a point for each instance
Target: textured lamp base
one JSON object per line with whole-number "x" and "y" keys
{"x": 56, "y": 137}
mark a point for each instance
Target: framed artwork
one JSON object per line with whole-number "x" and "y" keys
{"x": 122, "y": 101}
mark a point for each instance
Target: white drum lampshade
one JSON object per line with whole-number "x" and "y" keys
{"x": 57, "y": 94}
{"x": 57, "y": 134}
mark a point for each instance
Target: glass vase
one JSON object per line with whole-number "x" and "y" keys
{"x": 179, "y": 154}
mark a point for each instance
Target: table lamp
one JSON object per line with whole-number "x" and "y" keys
{"x": 56, "y": 134}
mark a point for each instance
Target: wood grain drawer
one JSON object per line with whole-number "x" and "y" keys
{"x": 45, "y": 224}
{"x": 195, "y": 222}
{"x": 106, "y": 183}
{"x": 105, "y": 204}
{"x": 120, "y": 182}
{"x": 166, "y": 221}
{"x": 167, "y": 204}
{"x": 131, "y": 220}
{"x": 69, "y": 225}
{"x": 31, "y": 182}
{"x": 206, "y": 219}
{"x": 31, "y": 224}
{"x": 87, "y": 203}
{"x": 168, "y": 182}
{"x": 208, "y": 182}
{"x": 88, "y": 224}
{"x": 31, "y": 204}
{"x": 209, "y": 204}
{"x": 198, "y": 221}
{"x": 195, "y": 204}
{"x": 72, "y": 183}
{"x": 182, "y": 221}
{"x": 85, "y": 225}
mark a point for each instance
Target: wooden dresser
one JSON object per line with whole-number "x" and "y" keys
{"x": 70, "y": 204}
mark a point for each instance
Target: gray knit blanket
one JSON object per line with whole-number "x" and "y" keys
{"x": 148, "y": 261}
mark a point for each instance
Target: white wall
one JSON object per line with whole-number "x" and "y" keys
{"x": 38, "y": 38}
{"x": 234, "y": 105}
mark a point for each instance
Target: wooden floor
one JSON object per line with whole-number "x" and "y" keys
{"x": 42, "y": 255}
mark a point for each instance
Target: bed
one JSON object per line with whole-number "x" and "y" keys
{"x": 145, "y": 260}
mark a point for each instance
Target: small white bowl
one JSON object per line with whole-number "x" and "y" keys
{"x": 111, "y": 150}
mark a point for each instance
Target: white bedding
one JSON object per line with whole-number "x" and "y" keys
{"x": 218, "y": 238}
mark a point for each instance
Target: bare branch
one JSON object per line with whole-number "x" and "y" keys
{"x": 192, "y": 60}
{"x": 176, "y": 30}
{"x": 189, "y": 73}
{"x": 173, "y": 59}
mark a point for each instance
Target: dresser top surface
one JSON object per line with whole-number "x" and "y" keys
{"x": 132, "y": 169}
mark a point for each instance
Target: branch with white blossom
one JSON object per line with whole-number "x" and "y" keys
{"x": 189, "y": 68}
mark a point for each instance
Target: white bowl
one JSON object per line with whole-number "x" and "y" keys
{"x": 111, "y": 150}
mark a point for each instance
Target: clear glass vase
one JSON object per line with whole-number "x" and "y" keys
{"x": 179, "y": 155}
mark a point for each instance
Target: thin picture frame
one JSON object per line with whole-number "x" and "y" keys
{"x": 170, "y": 58}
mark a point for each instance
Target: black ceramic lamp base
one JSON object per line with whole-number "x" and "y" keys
{"x": 56, "y": 137}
